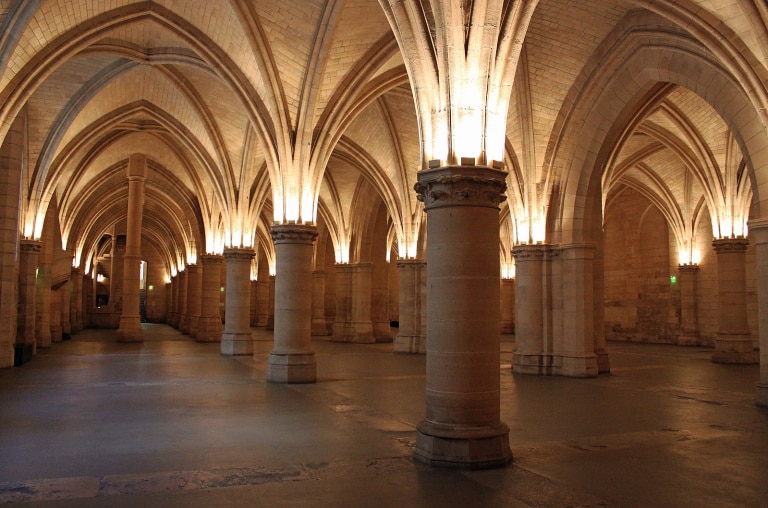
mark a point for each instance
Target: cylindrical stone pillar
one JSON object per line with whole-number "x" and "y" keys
{"x": 733, "y": 343}
{"x": 361, "y": 303}
{"x": 237, "y": 338}
{"x": 194, "y": 286}
{"x": 409, "y": 338}
{"x": 292, "y": 359}
{"x": 342, "y": 325}
{"x": 689, "y": 322}
{"x": 116, "y": 274}
{"x": 319, "y": 324}
{"x": 130, "y": 318}
{"x": 44, "y": 298}
{"x": 184, "y": 316}
{"x": 66, "y": 311}
{"x": 209, "y": 325}
{"x": 253, "y": 312}
{"x": 262, "y": 302}
{"x": 25, "y": 335}
{"x": 462, "y": 426}
{"x": 759, "y": 231}
{"x": 54, "y": 321}
{"x": 507, "y": 306}
{"x": 270, "y": 326}
{"x": 76, "y": 305}
{"x": 528, "y": 357}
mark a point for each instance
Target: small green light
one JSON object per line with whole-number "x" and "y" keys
{"x": 673, "y": 279}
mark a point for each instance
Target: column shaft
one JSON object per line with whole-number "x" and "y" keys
{"x": 292, "y": 359}
{"x": 184, "y": 317}
{"x": 25, "y": 335}
{"x": 194, "y": 286}
{"x": 689, "y": 322}
{"x": 759, "y": 231}
{"x": 734, "y": 340}
{"x": 528, "y": 357}
{"x": 361, "y": 323}
{"x": 507, "y": 305}
{"x": 410, "y": 335}
{"x": 237, "y": 339}
{"x": 319, "y": 323}
{"x": 462, "y": 427}
{"x": 209, "y": 325}
{"x": 342, "y": 324}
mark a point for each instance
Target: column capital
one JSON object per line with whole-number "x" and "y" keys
{"x": 528, "y": 252}
{"x": 294, "y": 233}
{"x": 730, "y": 244}
{"x": 212, "y": 259}
{"x": 479, "y": 186}
{"x": 31, "y": 246}
{"x": 411, "y": 263}
{"x": 242, "y": 253}
{"x": 759, "y": 231}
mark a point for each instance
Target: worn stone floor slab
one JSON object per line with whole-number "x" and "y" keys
{"x": 173, "y": 423}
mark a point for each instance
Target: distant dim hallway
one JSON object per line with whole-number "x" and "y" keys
{"x": 394, "y": 252}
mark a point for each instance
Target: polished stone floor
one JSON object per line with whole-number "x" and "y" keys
{"x": 172, "y": 423}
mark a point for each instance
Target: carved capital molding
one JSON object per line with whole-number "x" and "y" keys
{"x": 690, "y": 269}
{"x": 411, "y": 264}
{"x": 526, "y": 252}
{"x": 239, "y": 253}
{"x": 211, "y": 259}
{"x": 730, "y": 245}
{"x": 31, "y": 246}
{"x": 294, "y": 233}
{"x": 479, "y": 186}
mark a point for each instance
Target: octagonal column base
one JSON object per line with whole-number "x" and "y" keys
{"x": 462, "y": 446}
{"x": 236, "y": 344}
{"x": 292, "y": 368}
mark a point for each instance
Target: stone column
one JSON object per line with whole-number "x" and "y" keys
{"x": 25, "y": 335}
{"x": 54, "y": 320}
{"x": 689, "y": 322}
{"x": 11, "y": 156}
{"x": 361, "y": 323}
{"x": 734, "y": 341}
{"x": 577, "y": 357}
{"x": 759, "y": 231}
{"x": 130, "y": 319}
{"x": 262, "y": 302}
{"x": 380, "y": 302}
{"x": 76, "y": 305}
{"x": 209, "y": 325}
{"x": 270, "y": 304}
{"x": 66, "y": 311}
{"x": 116, "y": 274}
{"x": 292, "y": 359}
{"x": 254, "y": 299}
{"x": 184, "y": 302}
{"x": 528, "y": 357}
{"x": 319, "y": 324}
{"x": 44, "y": 298}
{"x": 342, "y": 325}
{"x": 410, "y": 337}
{"x": 462, "y": 426}
{"x": 507, "y": 305}
{"x": 237, "y": 338}
{"x": 194, "y": 284}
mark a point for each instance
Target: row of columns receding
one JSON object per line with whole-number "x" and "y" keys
{"x": 458, "y": 313}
